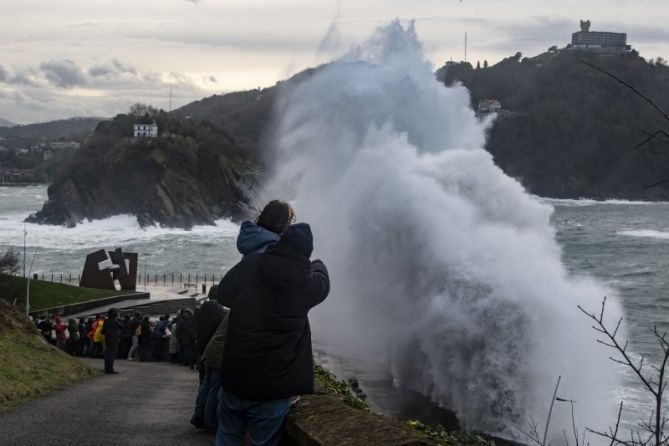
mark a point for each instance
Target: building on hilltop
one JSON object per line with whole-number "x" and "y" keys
{"x": 145, "y": 130}
{"x": 598, "y": 41}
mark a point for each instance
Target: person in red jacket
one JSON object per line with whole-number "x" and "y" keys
{"x": 61, "y": 336}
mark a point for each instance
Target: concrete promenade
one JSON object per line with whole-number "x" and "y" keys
{"x": 146, "y": 404}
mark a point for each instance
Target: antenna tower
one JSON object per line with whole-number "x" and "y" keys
{"x": 465, "y": 47}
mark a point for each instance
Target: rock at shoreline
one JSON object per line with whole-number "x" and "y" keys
{"x": 192, "y": 174}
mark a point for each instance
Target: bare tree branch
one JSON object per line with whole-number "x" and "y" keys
{"x": 631, "y": 87}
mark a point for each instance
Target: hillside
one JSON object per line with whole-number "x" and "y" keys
{"x": 247, "y": 116}
{"x": 5, "y": 123}
{"x": 73, "y": 128}
{"x": 193, "y": 173}
{"x": 29, "y": 365}
{"x": 44, "y": 294}
{"x": 570, "y": 131}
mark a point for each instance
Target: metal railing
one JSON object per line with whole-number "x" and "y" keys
{"x": 179, "y": 280}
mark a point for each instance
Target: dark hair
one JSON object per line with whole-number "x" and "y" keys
{"x": 276, "y": 216}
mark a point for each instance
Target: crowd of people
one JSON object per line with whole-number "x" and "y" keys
{"x": 139, "y": 337}
{"x": 250, "y": 341}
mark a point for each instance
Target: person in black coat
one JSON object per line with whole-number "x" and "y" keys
{"x": 186, "y": 336}
{"x": 112, "y": 332}
{"x": 126, "y": 338}
{"x": 145, "y": 339}
{"x": 268, "y": 357}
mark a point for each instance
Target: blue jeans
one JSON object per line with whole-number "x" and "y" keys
{"x": 262, "y": 419}
{"x": 206, "y": 404}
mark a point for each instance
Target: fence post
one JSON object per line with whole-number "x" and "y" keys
{"x": 155, "y": 279}
{"x": 188, "y": 279}
{"x": 172, "y": 279}
{"x": 51, "y": 277}
{"x": 61, "y": 277}
{"x": 70, "y": 281}
{"x": 163, "y": 279}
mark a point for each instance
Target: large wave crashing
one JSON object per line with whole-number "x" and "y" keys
{"x": 443, "y": 267}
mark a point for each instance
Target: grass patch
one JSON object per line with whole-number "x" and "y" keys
{"x": 45, "y": 294}
{"x": 338, "y": 387}
{"x": 442, "y": 437}
{"x": 30, "y": 366}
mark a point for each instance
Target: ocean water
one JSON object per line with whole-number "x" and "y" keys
{"x": 624, "y": 245}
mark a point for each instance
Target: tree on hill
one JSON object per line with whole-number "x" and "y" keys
{"x": 571, "y": 133}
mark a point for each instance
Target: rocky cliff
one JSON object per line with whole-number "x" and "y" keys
{"x": 193, "y": 173}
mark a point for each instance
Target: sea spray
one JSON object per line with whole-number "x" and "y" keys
{"x": 443, "y": 268}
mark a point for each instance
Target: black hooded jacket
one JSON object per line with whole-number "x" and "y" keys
{"x": 205, "y": 322}
{"x": 268, "y": 346}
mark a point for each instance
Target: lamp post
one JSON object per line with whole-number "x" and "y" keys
{"x": 25, "y": 235}
{"x": 28, "y": 283}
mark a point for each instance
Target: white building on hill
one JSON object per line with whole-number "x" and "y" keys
{"x": 145, "y": 130}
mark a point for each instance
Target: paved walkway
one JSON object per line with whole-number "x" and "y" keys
{"x": 146, "y": 404}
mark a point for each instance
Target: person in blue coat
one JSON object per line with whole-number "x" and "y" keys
{"x": 256, "y": 236}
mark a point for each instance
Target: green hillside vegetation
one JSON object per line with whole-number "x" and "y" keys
{"x": 572, "y": 131}
{"x": 193, "y": 173}
{"x": 73, "y": 128}
{"x": 45, "y": 294}
{"x": 30, "y": 366}
{"x": 247, "y": 116}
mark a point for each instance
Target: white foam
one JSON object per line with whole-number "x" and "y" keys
{"x": 647, "y": 233}
{"x": 583, "y": 202}
{"x": 118, "y": 230}
{"x": 441, "y": 265}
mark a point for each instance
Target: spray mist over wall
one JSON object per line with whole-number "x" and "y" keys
{"x": 442, "y": 267}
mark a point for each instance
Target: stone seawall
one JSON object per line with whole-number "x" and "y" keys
{"x": 323, "y": 419}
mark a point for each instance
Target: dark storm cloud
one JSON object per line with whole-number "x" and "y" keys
{"x": 99, "y": 70}
{"x": 114, "y": 68}
{"x": 40, "y": 93}
{"x": 63, "y": 73}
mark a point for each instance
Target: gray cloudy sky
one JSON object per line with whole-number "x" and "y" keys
{"x": 95, "y": 57}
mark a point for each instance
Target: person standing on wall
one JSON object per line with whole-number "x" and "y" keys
{"x": 267, "y": 358}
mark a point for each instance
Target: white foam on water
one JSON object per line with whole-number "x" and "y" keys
{"x": 582, "y": 202}
{"x": 646, "y": 233}
{"x": 442, "y": 266}
{"x": 118, "y": 230}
